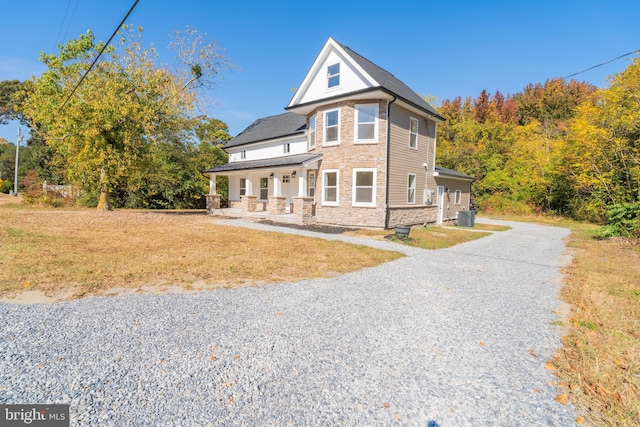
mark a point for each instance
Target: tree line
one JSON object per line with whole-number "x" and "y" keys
{"x": 559, "y": 147}
{"x": 127, "y": 136}
{"x": 124, "y": 134}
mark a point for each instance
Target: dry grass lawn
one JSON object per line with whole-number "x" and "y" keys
{"x": 72, "y": 253}
{"x": 600, "y": 359}
{"x": 433, "y": 237}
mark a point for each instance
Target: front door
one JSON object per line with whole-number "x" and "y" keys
{"x": 440, "y": 204}
{"x": 286, "y": 190}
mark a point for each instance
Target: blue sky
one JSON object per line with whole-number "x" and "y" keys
{"x": 444, "y": 48}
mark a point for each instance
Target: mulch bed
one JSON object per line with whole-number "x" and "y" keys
{"x": 329, "y": 229}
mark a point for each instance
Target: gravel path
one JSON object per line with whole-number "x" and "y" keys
{"x": 451, "y": 337}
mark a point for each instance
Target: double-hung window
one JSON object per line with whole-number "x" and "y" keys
{"x": 312, "y": 131}
{"x": 411, "y": 189}
{"x": 366, "y": 123}
{"x": 286, "y": 148}
{"x": 243, "y": 155}
{"x": 330, "y": 187}
{"x": 312, "y": 185}
{"x": 413, "y": 133}
{"x": 333, "y": 75}
{"x": 364, "y": 187}
{"x": 264, "y": 188}
{"x": 332, "y": 127}
{"x": 458, "y": 197}
{"x": 243, "y": 186}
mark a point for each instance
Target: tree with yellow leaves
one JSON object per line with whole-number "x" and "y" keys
{"x": 106, "y": 131}
{"x": 603, "y": 156}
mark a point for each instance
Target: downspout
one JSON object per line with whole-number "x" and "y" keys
{"x": 386, "y": 189}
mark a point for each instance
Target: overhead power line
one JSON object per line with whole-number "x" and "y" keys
{"x": 604, "y": 63}
{"x": 99, "y": 54}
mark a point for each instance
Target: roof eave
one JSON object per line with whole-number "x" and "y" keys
{"x": 307, "y": 107}
{"x": 265, "y": 139}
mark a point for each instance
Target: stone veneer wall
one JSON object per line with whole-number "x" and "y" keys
{"x": 412, "y": 216}
{"x": 348, "y": 156}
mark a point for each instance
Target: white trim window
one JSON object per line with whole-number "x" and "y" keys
{"x": 286, "y": 179}
{"x": 264, "y": 188}
{"x": 330, "y": 187}
{"x": 333, "y": 76}
{"x": 411, "y": 189}
{"x": 364, "y": 187}
{"x": 286, "y": 148}
{"x": 413, "y": 133}
{"x": 331, "y": 127}
{"x": 366, "y": 123}
{"x": 312, "y": 132}
{"x": 243, "y": 186}
{"x": 458, "y": 199}
{"x": 311, "y": 185}
{"x": 243, "y": 155}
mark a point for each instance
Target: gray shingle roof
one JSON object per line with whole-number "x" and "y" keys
{"x": 390, "y": 82}
{"x": 444, "y": 172}
{"x": 291, "y": 160}
{"x": 270, "y": 127}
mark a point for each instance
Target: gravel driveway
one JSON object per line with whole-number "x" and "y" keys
{"x": 452, "y": 337}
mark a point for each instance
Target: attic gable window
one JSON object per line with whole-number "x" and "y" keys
{"x": 333, "y": 75}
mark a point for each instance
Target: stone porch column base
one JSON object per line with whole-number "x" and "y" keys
{"x": 303, "y": 206}
{"x": 213, "y": 202}
{"x": 277, "y": 205}
{"x": 248, "y": 203}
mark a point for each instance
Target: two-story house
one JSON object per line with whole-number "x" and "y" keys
{"x": 357, "y": 147}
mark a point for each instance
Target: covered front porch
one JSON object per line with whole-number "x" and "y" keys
{"x": 280, "y": 189}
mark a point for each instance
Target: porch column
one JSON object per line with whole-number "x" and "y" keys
{"x": 302, "y": 183}
{"x": 249, "y": 183}
{"x": 277, "y": 202}
{"x": 212, "y": 199}
{"x": 212, "y": 183}
{"x": 277, "y": 185}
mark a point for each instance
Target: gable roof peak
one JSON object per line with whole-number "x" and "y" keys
{"x": 378, "y": 78}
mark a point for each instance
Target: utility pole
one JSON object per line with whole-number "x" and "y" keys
{"x": 15, "y": 180}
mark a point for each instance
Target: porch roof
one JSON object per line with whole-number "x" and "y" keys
{"x": 450, "y": 173}
{"x": 292, "y": 160}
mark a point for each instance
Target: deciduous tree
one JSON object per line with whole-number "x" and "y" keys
{"x": 111, "y": 129}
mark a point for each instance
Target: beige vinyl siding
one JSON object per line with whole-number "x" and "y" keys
{"x": 404, "y": 160}
{"x": 432, "y": 135}
{"x": 449, "y": 206}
